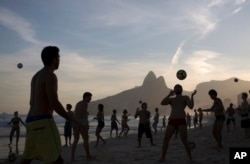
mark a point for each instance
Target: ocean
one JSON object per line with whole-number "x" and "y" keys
{"x": 5, "y": 131}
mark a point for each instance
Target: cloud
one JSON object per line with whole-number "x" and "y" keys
{"x": 201, "y": 63}
{"x": 178, "y": 53}
{"x": 18, "y": 24}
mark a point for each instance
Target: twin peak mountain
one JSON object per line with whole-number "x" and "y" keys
{"x": 154, "y": 89}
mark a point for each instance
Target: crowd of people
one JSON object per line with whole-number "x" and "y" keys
{"x": 41, "y": 129}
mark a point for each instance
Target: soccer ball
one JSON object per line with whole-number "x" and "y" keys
{"x": 181, "y": 74}
{"x": 192, "y": 145}
{"x": 236, "y": 80}
{"x": 19, "y": 65}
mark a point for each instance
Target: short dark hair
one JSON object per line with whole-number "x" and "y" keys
{"x": 48, "y": 54}
{"x": 100, "y": 107}
{"x": 212, "y": 92}
{"x": 87, "y": 94}
{"x": 68, "y": 106}
{"x": 245, "y": 94}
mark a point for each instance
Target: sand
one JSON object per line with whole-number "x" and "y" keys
{"x": 124, "y": 150}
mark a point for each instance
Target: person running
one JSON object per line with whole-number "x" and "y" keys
{"x": 144, "y": 123}
{"x": 244, "y": 113}
{"x": 195, "y": 120}
{"x": 68, "y": 126}
{"x": 100, "y": 118}
{"x": 163, "y": 123}
{"x": 81, "y": 115}
{"x": 125, "y": 127}
{"x": 114, "y": 125}
{"x": 230, "y": 116}
{"x": 156, "y": 120}
{"x": 15, "y": 127}
{"x": 42, "y": 137}
{"x": 200, "y": 117}
{"x": 218, "y": 110}
{"x": 177, "y": 118}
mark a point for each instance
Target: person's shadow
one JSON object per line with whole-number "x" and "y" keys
{"x": 12, "y": 156}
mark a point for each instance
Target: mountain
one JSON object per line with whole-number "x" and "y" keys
{"x": 154, "y": 89}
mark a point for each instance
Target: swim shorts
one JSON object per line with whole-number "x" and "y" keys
{"x": 176, "y": 122}
{"x": 144, "y": 128}
{"x": 101, "y": 124}
{"x": 42, "y": 139}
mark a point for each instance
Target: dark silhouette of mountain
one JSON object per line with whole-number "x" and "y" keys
{"x": 154, "y": 89}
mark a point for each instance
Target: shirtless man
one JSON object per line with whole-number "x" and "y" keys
{"x": 230, "y": 116}
{"x": 144, "y": 123}
{"x": 177, "y": 118}
{"x": 42, "y": 138}
{"x": 218, "y": 110}
{"x": 81, "y": 115}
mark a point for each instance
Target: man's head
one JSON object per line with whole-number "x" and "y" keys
{"x": 87, "y": 96}
{"x": 50, "y": 56}
{"x": 212, "y": 93}
{"x": 144, "y": 105}
{"x": 178, "y": 89}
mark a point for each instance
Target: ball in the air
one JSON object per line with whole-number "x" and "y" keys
{"x": 181, "y": 74}
{"x": 19, "y": 65}
{"x": 236, "y": 80}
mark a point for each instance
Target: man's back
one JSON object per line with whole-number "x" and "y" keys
{"x": 42, "y": 82}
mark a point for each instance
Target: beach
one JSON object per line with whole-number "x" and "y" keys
{"x": 124, "y": 149}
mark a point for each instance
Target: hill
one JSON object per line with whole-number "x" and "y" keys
{"x": 153, "y": 89}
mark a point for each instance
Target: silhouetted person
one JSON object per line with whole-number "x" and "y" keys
{"x": 81, "y": 115}
{"x": 177, "y": 119}
{"x": 100, "y": 118}
{"x": 68, "y": 126}
{"x": 15, "y": 127}
{"x": 218, "y": 110}
{"x": 230, "y": 116}
{"x": 156, "y": 120}
{"x": 114, "y": 125}
{"x": 144, "y": 123}
{"x": 125, "y": 127}
{"x": 244, "y": 113}
{"x": 42, "y": 138}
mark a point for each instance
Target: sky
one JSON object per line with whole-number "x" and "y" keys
{"x": 108, "y": 46}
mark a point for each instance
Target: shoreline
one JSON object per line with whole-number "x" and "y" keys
{"x": 124, "y": 149}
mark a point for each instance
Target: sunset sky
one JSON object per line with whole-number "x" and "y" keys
{"x": 108, "y": 46}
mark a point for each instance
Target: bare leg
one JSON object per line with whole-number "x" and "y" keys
{"x": 184, "y": 139}
{"x": 168, "y": 134}
{"x": 76, "y": 139}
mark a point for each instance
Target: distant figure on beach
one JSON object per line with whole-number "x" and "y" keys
{"x": 163, "y": 123}
{"x": 244, "y": 113}
{"x": 218, "y": 110}
{"x": 68, "y": 126}
{"x": 188, "y": 119}
{"x": 177, "y": 119}
{"x": 15, "y": 127}
{"x": 156, "y": 120}
{"x": 100, "y": 118}
{"x": 125, "y": 127}
{"x": 230, "y": 116}
{"x": 144, "y": 123}
{"x": 81, "y": 115}
{"x": 195, "y": 120}
{"x": 200, "y": 117}
{"x": 114, "y": 125}
{"x": 42, "y": 138}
